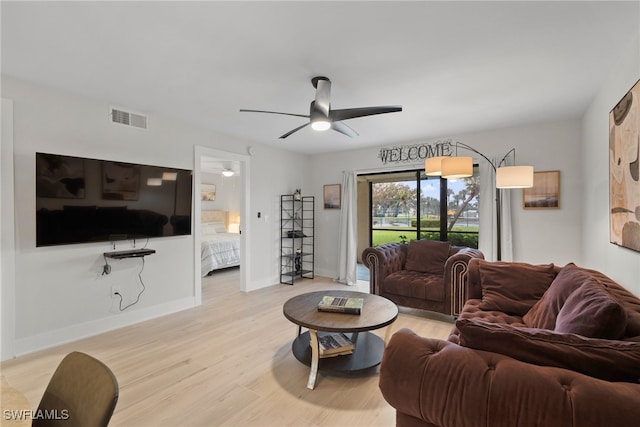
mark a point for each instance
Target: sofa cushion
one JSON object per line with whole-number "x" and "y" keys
{"x": 599, "y": 358}
{"x": 513, "y": 287}
{"x": 427, "y": 256}
{"x": 471, "y": 310}
{"x": 544, "y": 312}
{"x": 590, "y": 311}
{"x": 414, "y": 284}
{"x": 629, "y": 301}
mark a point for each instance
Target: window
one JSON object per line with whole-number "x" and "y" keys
{"x": 409, "y": 205}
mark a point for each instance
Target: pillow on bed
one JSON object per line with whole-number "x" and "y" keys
{"x": 208, "y": 228}
{"x": 219, "y": 227}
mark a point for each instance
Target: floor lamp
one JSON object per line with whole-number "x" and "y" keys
{"x": 505, "y": 177}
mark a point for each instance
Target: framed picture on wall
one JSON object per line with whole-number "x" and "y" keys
{"x": 545, "y": 193}
{"x": 624, "y": 171}
{"x": 331, "y": 196}
{"x": 207, "y": 192}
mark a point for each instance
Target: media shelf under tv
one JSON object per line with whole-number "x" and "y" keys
{"x": 132, "y": 253}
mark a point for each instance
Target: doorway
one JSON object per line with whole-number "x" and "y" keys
{"x": 227, "y": 194}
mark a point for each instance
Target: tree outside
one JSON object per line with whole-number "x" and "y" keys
{"x": 395, "y": 204}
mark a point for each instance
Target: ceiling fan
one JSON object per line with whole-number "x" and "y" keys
{"x": 322, "y": 117}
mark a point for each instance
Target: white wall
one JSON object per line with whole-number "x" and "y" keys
{"x": 623, "y": 265}
{"x": 540, "y": 236}
{"x": 60, "y": 294}
{"x": 227, "y": 192}
{"x": 7, "y": 248}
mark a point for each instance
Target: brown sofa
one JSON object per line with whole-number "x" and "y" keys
{"x": 533, "y": 346}
{"x": 424, "y": 274}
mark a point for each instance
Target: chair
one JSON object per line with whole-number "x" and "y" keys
{"x": 81, "y": 393}
{"x": 425, "y": 274}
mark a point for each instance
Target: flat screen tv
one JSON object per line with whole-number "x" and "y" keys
{"x": 80, "y": 200}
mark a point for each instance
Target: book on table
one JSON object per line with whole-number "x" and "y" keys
{"x": 334, "y": 344}
{"x": 341, "y": 304}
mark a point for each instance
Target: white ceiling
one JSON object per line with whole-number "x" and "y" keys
{"x": 454, "y": 66}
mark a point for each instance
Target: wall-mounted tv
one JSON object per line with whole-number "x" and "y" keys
{"x": 80, "y": 200}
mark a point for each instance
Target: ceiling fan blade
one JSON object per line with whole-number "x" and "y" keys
{"x": 294, "y": 130}
{"x": 274, "y": 112}
{"x": 352, "y": 113}
{"x": 344, "y": 129}
{"x": 323, "y": 94}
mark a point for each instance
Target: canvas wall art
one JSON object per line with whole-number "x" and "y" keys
{"x": 331, "y": 196}
{"x": 545, "y": 193}
{"x": 208, "y": 192}
{"x": 624, "y": 171}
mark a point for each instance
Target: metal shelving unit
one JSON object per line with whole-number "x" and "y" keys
{"x": 297, "y": 241}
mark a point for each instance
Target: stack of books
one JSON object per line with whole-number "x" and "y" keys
{"x": 341, "y": 305}
{"x": 335, "y": 344}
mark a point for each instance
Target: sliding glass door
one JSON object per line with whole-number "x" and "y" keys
{"x": 409, "y": 205}
{"x": 394, "y": 207}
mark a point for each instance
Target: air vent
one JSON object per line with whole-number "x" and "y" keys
{"x": 128, "y": 119}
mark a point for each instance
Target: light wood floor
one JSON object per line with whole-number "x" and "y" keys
{"x": 225, "y": 363}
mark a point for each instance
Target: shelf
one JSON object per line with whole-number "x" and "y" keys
{"x": 297, "y": 241}
{"x": 133, "y": 253}
{"x": 292, "y": 256}
{"x": 296, "y": 273}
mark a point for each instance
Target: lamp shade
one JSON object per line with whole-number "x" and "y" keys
{"x": 154, "y": 182}
{"x": 433, "y": 166}
{"x": 457, "y": 167}
{"x": 514, "y": 177}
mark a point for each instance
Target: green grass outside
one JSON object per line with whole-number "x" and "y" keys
{"x": 381, "y": 237}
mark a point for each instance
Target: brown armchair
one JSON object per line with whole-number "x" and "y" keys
{"x": 425, "y": 274}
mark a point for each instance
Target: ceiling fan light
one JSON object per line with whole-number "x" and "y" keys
{"x": 457, "y": 167}
{"x": 320, "y": 124}
{"x": 227, "y": 172}
{"x": 514, "y": 177}
{"x": 433, "y": 166}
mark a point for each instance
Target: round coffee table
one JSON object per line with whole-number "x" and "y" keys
{"x": 377, "y": 312}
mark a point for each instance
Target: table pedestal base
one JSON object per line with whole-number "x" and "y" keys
{"x": 367, "y": 354}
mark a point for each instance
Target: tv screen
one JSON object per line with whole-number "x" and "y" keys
{"x": 81, "y": 200}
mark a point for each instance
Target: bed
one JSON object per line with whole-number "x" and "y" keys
{"x": 219, "y": 249}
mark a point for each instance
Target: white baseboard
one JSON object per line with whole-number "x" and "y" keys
{"x": 263, "y": 283}
{"x": 95, "y": 327}
{"x": 326, "y": 273}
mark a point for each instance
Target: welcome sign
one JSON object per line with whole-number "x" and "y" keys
{"x": 413, "y": 153}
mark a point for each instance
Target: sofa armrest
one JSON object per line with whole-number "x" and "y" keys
{"x": 455, "y": 278}
{"x": 383, "y": 260}
{"x": 444, "y": 384}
